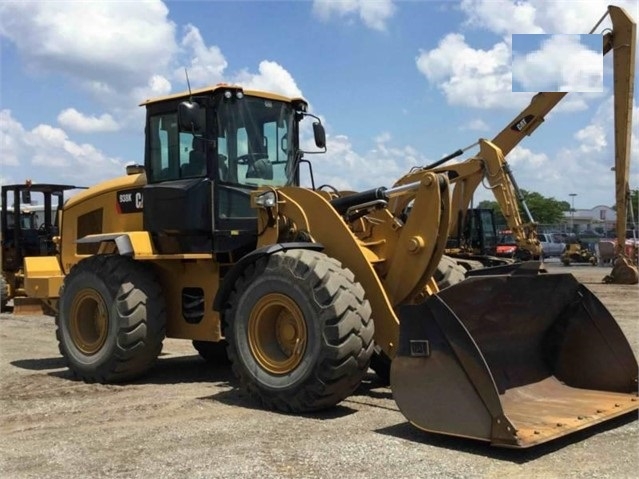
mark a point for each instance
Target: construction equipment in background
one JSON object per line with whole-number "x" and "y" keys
{"x": 301, "y": 285}
{"x": 465, "y": 177}
{"x": 506, "y": 244}
{"x": 477, "y": 241}
{"x": 28, "y": 224}
{"x": 501, "y": 181}
{"x": 577, "y": 253}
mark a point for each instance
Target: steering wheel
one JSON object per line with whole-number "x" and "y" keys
{"x": 43, "y": 228}
{"x": 250, "y": 158}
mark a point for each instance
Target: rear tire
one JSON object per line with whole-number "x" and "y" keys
{"x": 111, "y": 320}
{"x": 300, "y": 331}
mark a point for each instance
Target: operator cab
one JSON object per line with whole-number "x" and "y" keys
{"x": 28, "y": 221}
{"x": 205, "y": 152}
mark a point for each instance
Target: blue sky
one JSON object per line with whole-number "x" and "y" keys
{"x": 397, "y": 83}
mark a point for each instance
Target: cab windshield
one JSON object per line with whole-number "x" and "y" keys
{"x": 253, "y": 143}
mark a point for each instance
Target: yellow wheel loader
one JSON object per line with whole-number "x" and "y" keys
{"x": 213, "y": 240}
{"x": 27, "y": 228}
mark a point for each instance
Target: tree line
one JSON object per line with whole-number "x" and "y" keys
{"x": 546, "y": 210}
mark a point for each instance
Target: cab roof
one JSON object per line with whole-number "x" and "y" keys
{"x": 220, "y": 86}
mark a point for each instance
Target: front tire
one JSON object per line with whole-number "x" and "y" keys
{"x": 111, "y": 320}
{"x": 300, "y": 331}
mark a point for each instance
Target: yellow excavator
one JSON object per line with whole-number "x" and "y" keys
{"x": 213, "y": 240}
{"x": 491, "y": 165}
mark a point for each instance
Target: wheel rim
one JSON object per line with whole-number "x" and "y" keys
{"x": 277, "y": 333}
{"x": 89, "y": 321}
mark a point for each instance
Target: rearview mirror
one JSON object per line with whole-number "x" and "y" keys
{"x": 320, "y": 135}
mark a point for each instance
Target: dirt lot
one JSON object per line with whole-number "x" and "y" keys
{"x": 187, "y": 419}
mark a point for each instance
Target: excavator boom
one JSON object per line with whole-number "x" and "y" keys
{"x": 622, "y": 40}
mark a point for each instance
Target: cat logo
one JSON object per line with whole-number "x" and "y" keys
{"x": 130, "y": 201}
{"x": 521, "y": 124}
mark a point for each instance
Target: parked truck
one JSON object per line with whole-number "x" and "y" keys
{"x": 551, "y": 245}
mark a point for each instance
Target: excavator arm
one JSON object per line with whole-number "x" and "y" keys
{"x": 488, "y": 166}
{"x": 491, "y": 163}
{"x": 491, "y": 166}
{"x": 621, "y": 40}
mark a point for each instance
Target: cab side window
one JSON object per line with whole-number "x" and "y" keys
{"x": 174, "y": 154}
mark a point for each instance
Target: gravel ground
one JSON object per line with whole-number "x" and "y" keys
{"x": 187, "y": 419}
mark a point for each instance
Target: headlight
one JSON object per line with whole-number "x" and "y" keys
{"x": 267, "y": 199}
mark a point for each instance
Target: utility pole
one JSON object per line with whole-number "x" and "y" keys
{"x": 572, "y": 212}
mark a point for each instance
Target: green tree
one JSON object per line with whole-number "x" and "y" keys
{"x": 634, "y": 209}
{"x": 543, "y": 210}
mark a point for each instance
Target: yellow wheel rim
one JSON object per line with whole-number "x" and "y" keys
{"x": 277, "y": 333}
{"x": 89, "y": 321}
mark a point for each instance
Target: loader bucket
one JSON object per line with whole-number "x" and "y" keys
{"x": 514, "y": 359}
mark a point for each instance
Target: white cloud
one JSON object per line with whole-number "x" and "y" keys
{"x": 521, "y": 156}
{"x": 10, "y": 133}
{"x": 53, "y": 153}
{"x": 374, "y": 14}
{"x": 271, "y": 76}
{"x": 120, "y": 57}
{"x": 592, "y": 138}
{"x": 562, "y": 63}
{"x": 471, "y": 77}
{"x": 482, "y": 78}
{"x": 100, "y": 43}
{"x": 74, "y": 120}
{"x": 207, "y": 64}
{"x": 539, "y": 16}
{"x": 501, "y": 16}
{"x": 384, "y": 163}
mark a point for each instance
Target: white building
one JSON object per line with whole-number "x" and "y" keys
{"x": 600, "y": 218}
